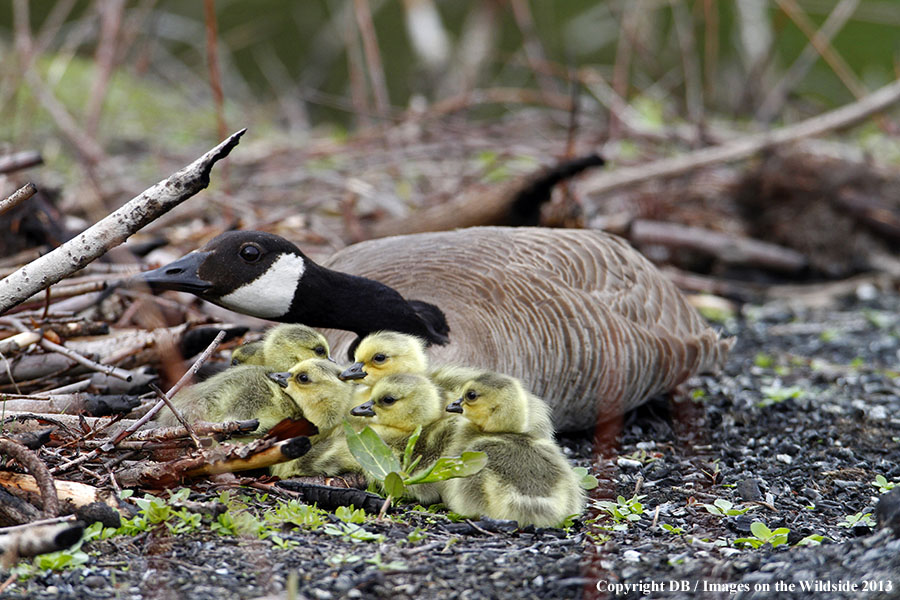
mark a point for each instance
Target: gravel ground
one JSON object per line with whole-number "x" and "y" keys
{"x": 796, "y": 429}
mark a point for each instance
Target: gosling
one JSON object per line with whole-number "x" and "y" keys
{"x": 527, "y": 478}
{"x": 239, "y": 393}
{"x": 325, "y": 400}
{"x": 398, "y": 404}
{"x": 282, "y": 347}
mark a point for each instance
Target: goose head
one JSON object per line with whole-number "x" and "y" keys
{"x": 266, "y": 276}
{"x": 386, "y": 352}
{"x": 314, "y": 386}
{"x": 400, "y": 402}
{"x": 494, "y": 403}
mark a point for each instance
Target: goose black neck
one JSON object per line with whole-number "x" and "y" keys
{"x": 326, "y": 298}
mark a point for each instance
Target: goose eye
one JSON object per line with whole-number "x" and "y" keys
{"x": 471, "y": 395}
{"x": 302, "y": 377}
{"x": 319, "y": 350}
{"x": 379, "y": 358}
{"x": 388, "y": 400}
{"x": 250, "y": 253}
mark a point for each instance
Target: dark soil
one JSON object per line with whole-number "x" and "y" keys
{"x": 796, "y": 428}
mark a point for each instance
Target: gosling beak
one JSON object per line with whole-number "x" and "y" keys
{"x": 455, "y": 406}
{"x": 364, "y": 410}
{"x": 331, "y": 358}
{"x": 354, "y": 371}
{"x": 279, "y": 378}
{"x": 179, "y": 275}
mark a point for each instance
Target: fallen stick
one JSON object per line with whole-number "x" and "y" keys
{"x": 226, "y": 458}
{"x": 93, "y": 405}
{"x": 113, "y": 229}
{"x": 19, "y": 161}
{"x": 515, "y": 202}
{"x": 607, "y": 181}
{"x": 40, "y": 475}
{"x": 73, "y": 493}
{"x": 16, "y": 198}
{"x": 38, "y": 539}
{"x": 729, "y": 248}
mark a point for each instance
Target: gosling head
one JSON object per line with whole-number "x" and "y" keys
{"x": 402, "y": 402}
{"x": 286, "y": 345}
{"x": 494, "y": 403}
{"x": 314, "y": 385}
{"x": 250, "y": 353}
{"x": 386, "y": 352}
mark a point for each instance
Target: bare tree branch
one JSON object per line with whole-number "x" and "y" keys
{"x": 112, "y": 230}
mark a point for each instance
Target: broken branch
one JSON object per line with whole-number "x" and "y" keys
{"x": 113, "y": 229}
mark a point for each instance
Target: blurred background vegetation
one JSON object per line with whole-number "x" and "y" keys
{"x": 298, "y": 65}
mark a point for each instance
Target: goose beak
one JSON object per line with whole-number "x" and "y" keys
{"x": 455, "y": 406}
{"x": 364, "y": 410}
{"x": 354, "y": 371}
{"x": 279, "y": 378}
{"x": 179, "y": 275}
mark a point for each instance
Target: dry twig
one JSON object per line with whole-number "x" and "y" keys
{"x": 112, "y": 230}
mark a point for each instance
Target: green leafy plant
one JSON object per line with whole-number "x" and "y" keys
{"x": 350, "y": 532}
{"x": 774, "y": 394}
{"x": 762, "y": 535}
{"x": 672, "y": 529}
{"x": 724, "y": 508}
{"x": 416, "y": 535}
{"x": 348, "y": 515}
{"x": 883, "y": 484}
{"x": 585, "y": 479}
{"x": 862, "y": 519}
{"x": 811, "y": 540}
{"x": 394, "y": 474}
{"x": 394, "y": 565}
{"x": 623, "y": 511}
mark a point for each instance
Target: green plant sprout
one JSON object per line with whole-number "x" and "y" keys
{"x": 762, "y": 535}
{"x": 724, "y": 508}
{"x": 862, "y": 519}
{"x": 395, "y": 474}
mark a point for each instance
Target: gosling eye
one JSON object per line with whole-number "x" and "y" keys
{"x": 302, "y": 377}
{"x": 471, "y": 395}
{"x": 379, "y": 358}
{"x": 320, "y": 350}
{"x": 250, "y": 253}
{"x": 388, "y": 400}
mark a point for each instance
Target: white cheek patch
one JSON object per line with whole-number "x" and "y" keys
{"x": 269, "y": 295}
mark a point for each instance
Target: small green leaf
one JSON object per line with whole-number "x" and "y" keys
{"x": 393, "y": 485}
{"x": 410, "y": 444}
{"x": 585, "y": 479}
{"x": 448, "y": 467}
{"x": 372, "y": 454}
{"x": 760, "y": 530}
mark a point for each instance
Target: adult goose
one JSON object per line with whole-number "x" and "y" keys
{"x": 581, "y": 317}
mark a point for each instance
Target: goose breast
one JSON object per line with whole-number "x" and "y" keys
{"x": 586, "y": 321}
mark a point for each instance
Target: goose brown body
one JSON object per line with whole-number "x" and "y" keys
{"x": 581, "y": 317}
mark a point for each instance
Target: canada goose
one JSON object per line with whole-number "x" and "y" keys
{"x": 527, "y": 478}
{"x": 238, "y": 393}
{"x": 386, "y": 352}
{"x": 326, "y": 401}
{"x": 398, "y": 404}
{"x": 581, "y": 317}
{"x": 282, "y": 347}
